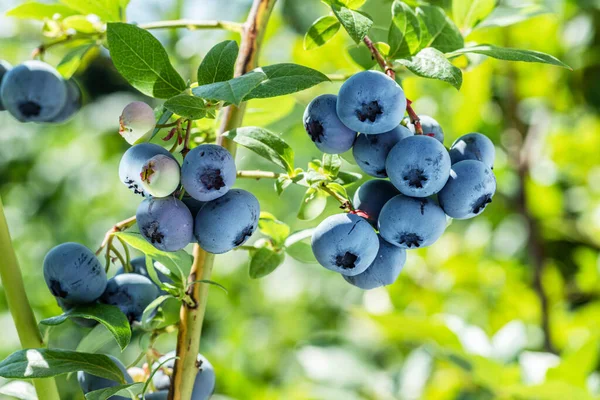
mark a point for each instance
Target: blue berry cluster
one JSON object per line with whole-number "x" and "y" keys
{"x": 35, "y": 92}
{"x": 426, "y": 182}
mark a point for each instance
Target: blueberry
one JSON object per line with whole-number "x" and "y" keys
{"x": 166, "y": 223}
{"x": 409, "y": 223}
{"x": 132, "y": 293}
{"x": 469, "y": 190}
{"x": 227, "y": 222}
{"x": 193, "y": 204}
{"x": 208, "y": 172}
{"x": 326, "y": 130}
{"x": 137, "y": 122}
{"x": 160, "y": 175}
{"x": 89, "y": 382}
{"x": 345, "y": 243}
{"x": 371, "y": 151}
{"x": 383, "y": 271}
{"x": 72, "y": 105}
{"x": 162, "y": 395}
{"x": 418, "y": 166}
{"x": 33, "y": 91}
{"x": 371, "y": 196}
{"x": 139, "y": 267}
{"x": 473, "y": 146}
{"x": 4, "y": 68}
{"x": 430, "y": 127}
{"x": 133, "y": 161}
{"x": 73, "y": 273}
{"x": 204, "y": 384}
{"x": 84, "y": 322}
{"x": 371, "y": 102}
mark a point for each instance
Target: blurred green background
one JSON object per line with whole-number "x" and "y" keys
{"x": 506, "y": 305}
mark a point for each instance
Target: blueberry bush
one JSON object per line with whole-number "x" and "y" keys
{"x": 228, "y": 153}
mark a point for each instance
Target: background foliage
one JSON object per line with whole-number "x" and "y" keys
{"x": 464, "y": 321}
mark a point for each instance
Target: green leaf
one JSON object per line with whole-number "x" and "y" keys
{"x": 186, "y": 106}
{"x": 285, "y": 79}
{"x": 361, "y": 56}
{"x": 273, "y": 228}
{"x": 431, "y": 63}
{"x": 508, "y": 54}
{"x": 353, "y": 4}
{"x": 506, "y": 16}
{"x": 232, "y": 91}
{"x": 468, "y": 13}
{"x": 264, "y": 261}
{"x": 40, "y": 11}
{"x": 178, "y": 262}
{"x": 81, "y": 23}
{"x": 72, "y": 61}
{"x": 110, "y": 316}
{"x": 331, "y": 164}
{"x": 107, "y": 10}
{"x": 143, "y": 61}
{"x": 95, "y": 340}
{"x": 165, "y": 116}
{"x": 313, "y": 204}
{"x": 321, "y": 31}
{"x": 356, "y": 23}
{"x": 347, "y": 178}
{"x": 266, "y": 144}
{"x": 131, "y": 390}
{"x": 219, "y": 63}
{"x": 442, "y": 33}
{"x": 339, "y": 189}
{"x": 298, "y": 248}
{"x": 404, "y": 36}
{"x": 45, "y": 363}
{"x": 20, "y": 390}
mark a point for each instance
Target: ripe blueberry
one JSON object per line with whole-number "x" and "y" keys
{"x": 160, "y": 175}
{"x": 33, "y": 91}
{"x": 410, "y": 223}
{"x": 74, "y": 274}
{"x": 326, "y": 130}
{"x": 430, "y": 127}
{"x": 72, "y": 105}
{"x": 345, "y": 243}
{"x": 469, "y": 190}
{"x": 371, "y": 151}
{"x": 193, "y": 204}
{"x": 132, "y": 293}
{"x": 208, "y": 172}
{"x": 89, "y": 382}
{"x": 371, "y": 102}
{"x": 165, "y": 222}
{"x": 162, "y": 395}
{"x": 4, "y": 68}
{"x": 133, "y": 161}
{"x": 204, "y": 384}
{"x": 137, "y": 122}
{"x": 383, "y": 271}
{"x": 227, "y": 222}
{"x": 418, "y": 166}
{"x": 473, "y": 146}
{"x": 371, "y": 196}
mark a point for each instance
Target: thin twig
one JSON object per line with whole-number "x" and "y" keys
{"x": 118, "y": 227}
{"x": 194, "y": 24}
{"x": 258, "y": 174}
{"x": 346, "y": 204}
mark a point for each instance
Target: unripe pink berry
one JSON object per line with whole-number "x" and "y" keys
{"x": 137, "y": 122}
{"x": 160, "y": 176}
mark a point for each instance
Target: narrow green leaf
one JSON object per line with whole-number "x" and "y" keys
{"x": 331, "y": 164}
{"x": 72, "y": 60}
{"x": 285, "y": 79}
{"x": 468, "y": 13}
{"x": 506, "y": 16}
{"x": 40, "y": 11}
{"x": 356, "y": 23}
{"x": 442, "y": 33}
{"x": 178, "y": 262}
{"x": 186, "y": 106}
{"x": 313, "y": 204}
{"x": 264, "y": 143}
{"x": 81, "y": 23}
{"x": 219, "y": 63}
{"x": 509, "y": 54}
{"x": 95, "y": 340}
{"x": 273, "y": 228}
{"x": 165, "y": 116}
{"x": 45, "y": 363}
{"x": 131, "y": 390}
{"x": 339, "y": 189}
{"x": 107, "y": 10}
{"x": 297, "y": 245}
{"x": 347, "y": 178}
{"x": 143, "y": 61}
{"x": 431, "y": 63}
{"x": 232, "y": 91}
{"x": 404, "y": 36}
{"x": 151, "y": 309}
{"x": 264, "y": 261}
{"x": 110, "y": 316}
{"x": 321, "y": 31}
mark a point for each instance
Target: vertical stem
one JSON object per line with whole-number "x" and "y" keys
{"x": 22, "y": 314}
{"x": 192, "y": 316}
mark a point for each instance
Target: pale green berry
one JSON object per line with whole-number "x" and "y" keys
{"x": 160, "y": 176}
{"x": 137, "y": 122}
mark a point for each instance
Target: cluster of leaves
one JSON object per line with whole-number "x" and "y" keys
{"x": 424, "y": 39}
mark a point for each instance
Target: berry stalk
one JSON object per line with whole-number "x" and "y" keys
{"x": 18, "y": 304}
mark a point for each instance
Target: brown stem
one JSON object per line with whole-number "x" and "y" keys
{"x": 118, "y": 227}
{"x": 193, "y": 24}
{"x": 414, "y": 118}
{"x": 186, "y": 145}
{"x": 191, "y": 317}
